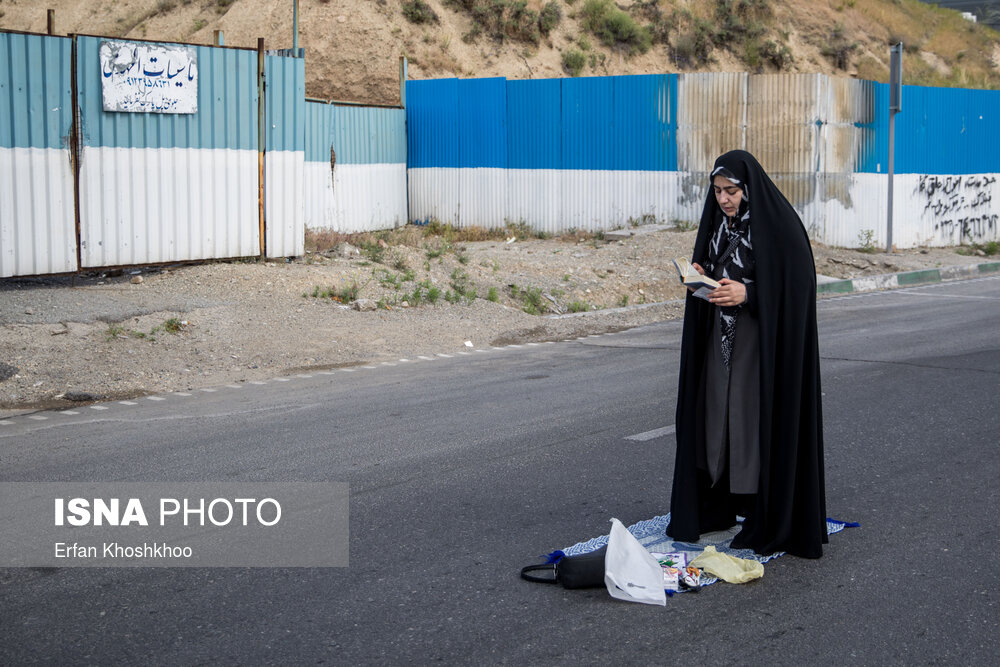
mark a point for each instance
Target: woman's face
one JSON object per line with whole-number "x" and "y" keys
{"x": 728, "y": 194}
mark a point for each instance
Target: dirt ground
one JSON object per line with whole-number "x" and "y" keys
{"x": 101, "y": 336}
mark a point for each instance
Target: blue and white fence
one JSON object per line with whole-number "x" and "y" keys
{"x": 160, "y": 187}
{"x": 597, "y": 153}
{"x": 140, "y": 188}
{"x": 37, "y": 214}
{"x": 355, "y": 173}
{"x": 284, "y": 157}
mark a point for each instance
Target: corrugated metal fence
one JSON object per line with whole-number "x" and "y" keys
{"x": 140, "y": 188}
{"x": 598, "y": 153}
{"x": 355, "y": 170}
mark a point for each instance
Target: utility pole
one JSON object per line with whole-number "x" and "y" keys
{"x": 895, "y": 106}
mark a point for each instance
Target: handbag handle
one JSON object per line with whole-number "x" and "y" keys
{"x": 526, "y": 573}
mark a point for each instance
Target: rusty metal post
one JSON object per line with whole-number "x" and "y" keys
{"x": 76, "y": 147}
{"x": 52, "y": 22}
{"x": 261, "y": 116}
{"x": 220, "y": 39}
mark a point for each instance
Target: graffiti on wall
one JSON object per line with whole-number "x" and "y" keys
{"x": 961, "y": 207}
{"x": 144, "y": 78}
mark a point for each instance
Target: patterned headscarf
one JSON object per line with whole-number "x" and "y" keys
{"x": 730, "y": 251}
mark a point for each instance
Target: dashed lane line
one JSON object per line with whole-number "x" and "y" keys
{"x": 649, "y": 435}
{"x": 439, "y": 355}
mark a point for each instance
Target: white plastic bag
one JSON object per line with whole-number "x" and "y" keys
{"x": 630, "y": 572}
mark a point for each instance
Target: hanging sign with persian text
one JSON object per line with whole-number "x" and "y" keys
{"x": 140, "y": 77}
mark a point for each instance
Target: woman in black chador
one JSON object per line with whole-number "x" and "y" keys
{"x": 749, "y": 419}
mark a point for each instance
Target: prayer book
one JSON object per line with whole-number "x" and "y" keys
{"x": 702, "y": 285}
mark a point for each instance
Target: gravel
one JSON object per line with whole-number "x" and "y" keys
{"x": 103, "y": 336}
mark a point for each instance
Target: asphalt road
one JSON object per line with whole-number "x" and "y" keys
{"x": 464, "y": 468}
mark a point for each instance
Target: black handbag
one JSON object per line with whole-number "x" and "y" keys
{"x": 580, "y": 571}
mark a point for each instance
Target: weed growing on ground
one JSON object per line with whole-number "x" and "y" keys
{"x": 373, "y": 250}
{"x": 989, "y": 249}
{"x": 492, "y": 295}
{"x": 114, "y": 331}
{"x": 866, "y": 241}
{"x": 530, "y": 298}
{"x": 577, "y": 306}
{"x": 462, "y": 285}
{"x": 623, "y": 301}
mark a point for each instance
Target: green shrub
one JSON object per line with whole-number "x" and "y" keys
{"x": 693, "y": 47}
{"x": 615, "y": 28}
{"x": 418, "y": 11}
{"x": 839, "y": 48}
{"x": 573, "y": 62}
{"x": 501, "y": 20}
{"x": 549, "y": 17}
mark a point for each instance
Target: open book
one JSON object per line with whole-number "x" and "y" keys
{"x": 702, "y": 285}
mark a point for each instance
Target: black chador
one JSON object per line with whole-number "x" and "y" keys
{"x": 749, "y": 417}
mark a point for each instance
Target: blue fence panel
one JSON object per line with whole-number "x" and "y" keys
{"x": 227, "y": 105}
{"x": 319, "y": 131}
{"x": 284, "y": 99}
{"x": 432, "y": 123}
{"x": 588, "y": 137}
{"x": 873, "y": 147}
{"x": 36, "y": 108}
{"x": 534, "y": 138}
{"x": 645, "y": 123}
{"x": 947, "y": 131}
{"x": 369, "y": 135}
{"x": 939, "y": 131}
{"x": 482, "y": 112}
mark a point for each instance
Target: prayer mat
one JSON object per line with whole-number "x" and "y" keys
{"x": 652, "y": 535}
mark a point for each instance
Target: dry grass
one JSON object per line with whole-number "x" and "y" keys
{"x": 965, "y": 47}
{"x": 433, "y": 234}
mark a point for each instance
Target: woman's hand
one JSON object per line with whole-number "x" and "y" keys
{"x": 732, "y": 293}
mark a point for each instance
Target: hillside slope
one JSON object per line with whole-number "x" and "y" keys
{"x": 353, "y": 46}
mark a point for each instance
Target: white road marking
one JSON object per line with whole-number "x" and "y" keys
{"x": 155, "y": 398}
{"x": 37, "y": 418}
{"x": 425, "y": 358}
{"x": 184, "y": 393}
{"x": 69, "y": 412}
{"x": 98, "y": 407}
{"x": 446, "y": 356}
{"x": 6, "y": 422}
{"x": 127, "y": 403}
{"x": 649, "y": 435}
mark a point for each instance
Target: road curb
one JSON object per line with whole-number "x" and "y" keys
{"x": 908, "y": 278}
